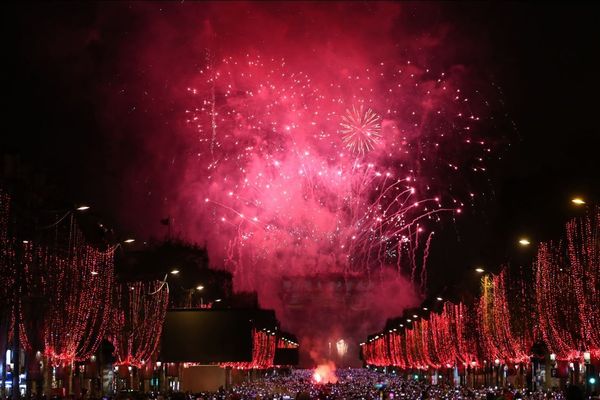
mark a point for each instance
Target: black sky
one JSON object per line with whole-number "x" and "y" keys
{"x": 546, "y": 57}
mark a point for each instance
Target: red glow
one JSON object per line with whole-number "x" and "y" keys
{"x": 325, "y": 373}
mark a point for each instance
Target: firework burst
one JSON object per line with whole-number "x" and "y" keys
{"x": 360, "y": 130}
{"x": 283, "y": 190}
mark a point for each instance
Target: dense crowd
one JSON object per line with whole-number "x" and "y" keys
{"x": 368, "y": 385}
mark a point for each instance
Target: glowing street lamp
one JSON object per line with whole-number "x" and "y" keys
{"x": 439, "y": 299}
{"x": 129, "y": 240}
{"x": 174, "y": 271}
{"x": 578, "y": 201}
{"x": 524, "y": 242}
{"x": 83, "y": 208}
{"x": 479, "y": 270}
{"x": 199, "y": 287}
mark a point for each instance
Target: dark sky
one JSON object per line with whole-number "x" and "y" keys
{"x": 58, "y": 63}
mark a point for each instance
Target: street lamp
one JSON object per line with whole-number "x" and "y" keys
{"x": 439, "y": 299}
{"x": 524, "y": 242}
{"x": 578, "y": 201}
{"x": 174, "y": 271}
{"x": 83, "y": 208}
{"x": 129, "y": 240}
{"x": 199, "y": 287}
{"x": 480, "y": 270}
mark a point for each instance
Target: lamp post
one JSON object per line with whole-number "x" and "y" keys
{"x": 587, "y": 358}
{"x": 497, "y": 365}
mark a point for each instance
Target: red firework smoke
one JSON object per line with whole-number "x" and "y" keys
{"x": 299, "y": 147}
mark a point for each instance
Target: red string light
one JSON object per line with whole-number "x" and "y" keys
{"x": 137, "y": 320}
{"x": 77, "y": 283}
{"x": 567, "y": 277}
{"x": 494, "y": 322}
{"x": 263, "y": 352}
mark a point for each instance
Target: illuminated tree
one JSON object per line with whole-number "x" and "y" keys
{"x": 263, "y": 352}
{"x": 77, "y": 282}
{"x": 567, "y": 277}
{"x": 137, "y": 320}
{"x": 494, "y": 322}
{"x": 444, "y": 342}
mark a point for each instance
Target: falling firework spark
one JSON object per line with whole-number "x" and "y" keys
{"x": 360, "y": 129}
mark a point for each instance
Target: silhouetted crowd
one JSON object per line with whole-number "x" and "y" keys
{"x": 368, "y": 385}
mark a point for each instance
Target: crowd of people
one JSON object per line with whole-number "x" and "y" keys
{"x": 366, "y": 384}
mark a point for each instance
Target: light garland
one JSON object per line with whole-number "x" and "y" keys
{"x": 263, "y": 352}
{"x": 137, "y": 321}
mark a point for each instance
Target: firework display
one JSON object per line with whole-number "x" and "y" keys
{"x": 361, "y": 130}
{"x": 499, "y": 328}
{"x": 341, "y": 200}
{"x": 344, "y": 175}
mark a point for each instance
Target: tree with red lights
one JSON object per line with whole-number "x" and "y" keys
{"x": 567, "y": 277}
{"x": 77, "y": 282}
{"x": 137, "y": 320}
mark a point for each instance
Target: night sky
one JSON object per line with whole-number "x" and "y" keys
{"x": 65, "y": 64}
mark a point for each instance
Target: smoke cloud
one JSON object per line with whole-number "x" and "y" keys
{"x": 227, "y": 117}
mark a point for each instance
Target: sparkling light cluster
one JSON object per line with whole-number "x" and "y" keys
{"x": 361, "y": 130}
{"x": 338, "y": 174}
